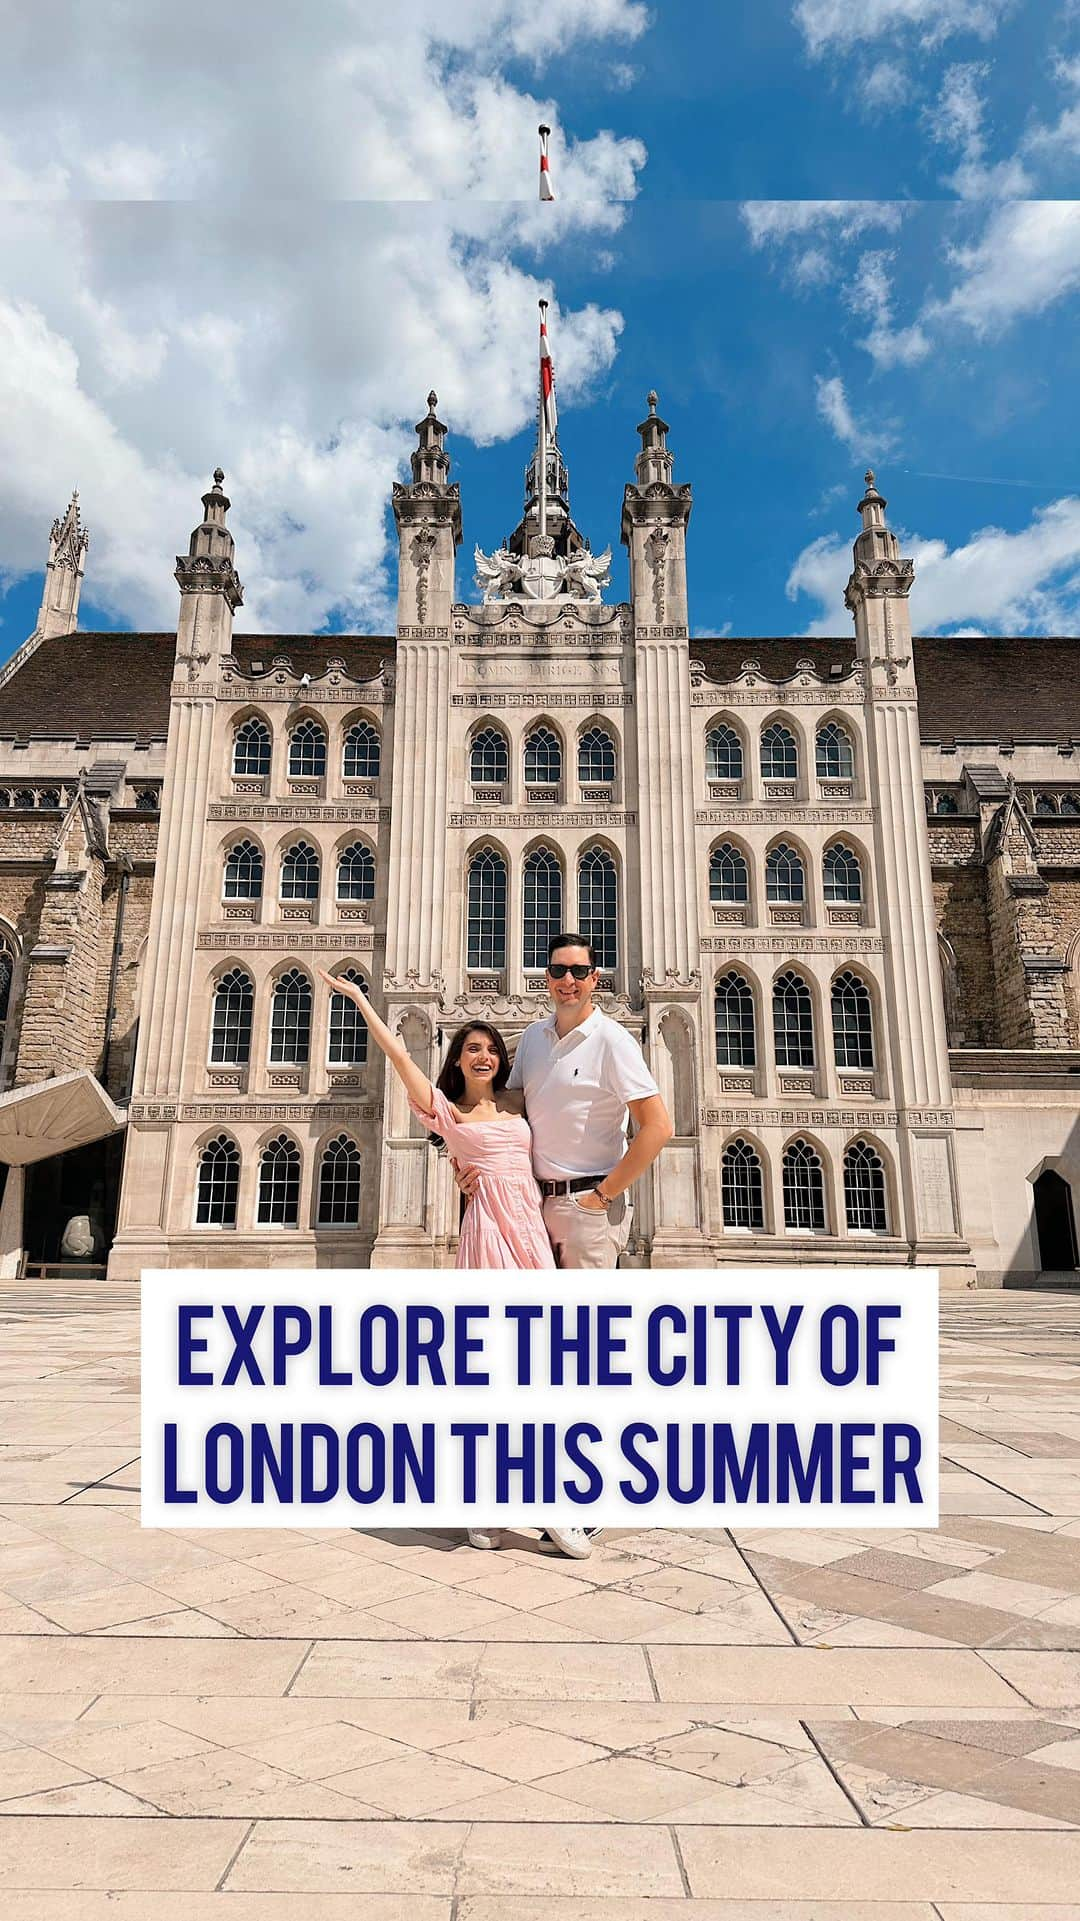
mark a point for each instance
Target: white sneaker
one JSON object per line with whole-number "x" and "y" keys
{"x": 485, "y": 1537}
{"x": 572, "y": 1540}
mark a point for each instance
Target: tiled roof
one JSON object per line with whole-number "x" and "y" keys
{"x": 363, "y": 654}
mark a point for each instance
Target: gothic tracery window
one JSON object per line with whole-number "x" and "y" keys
{"x": 735, "y": 1026}
{"x": 842, "y": 874}
{"x": 598, "y": 904}
{"x": 230, "y": 1028}
{"x": 853, "y": 1022}
{"x": 865, "y": 1202}
{"x": 723, "y": 754}
{"x": 793, "y": 1021}
{"x": 279, "y": 1184}
{"x": 243, "y": 872}
{"x": 834, "y": 756}
{"x": 489, "y": 758}
{"x": 347, "y": 1045}
{"x": 729, "y": 876}
{"x": 804, "y": 1187}
{"x": 307, "y": 751}
{"x": 251, "y": 748}
{"x": 339, "y": 1183}
{"x": 596, "y": 757}
{"x": 542, "y": 905}
{"x": 356, "y": 872}
{"x": 779, "y": 753}
{"x": 486, "y": 909}
{"x": 218, "y": 1183}
{"x": 300, "y": 872}
{"x": 543, "y": 758}
{"x": 290, "y": 1019}
{"x": 362, "y": 756}
{"x": 741, "y": 1187}
{"x": 785, "y": 876}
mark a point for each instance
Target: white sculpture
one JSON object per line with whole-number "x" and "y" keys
{"x": 504, "y": 576}
{"x": 498, "y": 574}
{"x": 584, "y": 574}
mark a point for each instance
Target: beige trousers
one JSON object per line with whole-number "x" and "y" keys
{"x": 583, "y": 1237}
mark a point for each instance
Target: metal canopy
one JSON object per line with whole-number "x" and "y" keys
{"x": 51, "y": 1117}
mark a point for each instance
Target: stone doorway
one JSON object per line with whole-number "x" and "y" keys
{"x": 1055, "y": 1223}
{"x": 84, "y": 1183}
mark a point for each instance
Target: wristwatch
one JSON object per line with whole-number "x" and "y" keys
{"x": 606, "y": 1200}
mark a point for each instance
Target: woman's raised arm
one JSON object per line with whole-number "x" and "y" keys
{"x": 416, "y": 1082}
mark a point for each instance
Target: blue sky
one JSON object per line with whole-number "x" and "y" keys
{"x": 827, "y": 234}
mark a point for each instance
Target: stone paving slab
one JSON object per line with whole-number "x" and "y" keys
{"x": 765, "y": 1725}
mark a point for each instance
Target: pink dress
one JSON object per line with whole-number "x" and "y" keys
{"x": 503, "y": 1224}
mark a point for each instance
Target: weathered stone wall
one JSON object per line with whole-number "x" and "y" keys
{"x": 58, "y": 1025}
{"x": 962, "y": 919}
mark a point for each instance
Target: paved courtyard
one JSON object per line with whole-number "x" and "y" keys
{"x": 693, "y": 1726}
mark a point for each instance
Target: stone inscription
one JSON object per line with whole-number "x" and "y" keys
{"x": 289, "y": 940}
{"x": 308, "y": 810}
{"x": 473, "y": 818}
{"x": 542, "y": 698}
{"x": 784, "y": 816}
{"x": 792, "y": 944}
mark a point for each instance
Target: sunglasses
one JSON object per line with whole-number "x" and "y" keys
{"x": 579, "y": 969}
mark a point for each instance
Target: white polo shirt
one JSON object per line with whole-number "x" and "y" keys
{"x": 576, "y": 1090}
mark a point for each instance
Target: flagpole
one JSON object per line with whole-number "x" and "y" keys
{"x": 541, "y": 479}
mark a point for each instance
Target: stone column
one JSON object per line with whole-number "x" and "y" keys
{"x": 1030, "y": 971}
{"x": 428, "y": 514}
{"x": 877, "y": 595}
{"x": 654, "y": 520}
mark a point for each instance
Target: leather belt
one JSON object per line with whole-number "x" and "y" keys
{"x": 576, "y": 1186}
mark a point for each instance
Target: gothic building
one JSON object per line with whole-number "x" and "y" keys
{"x": 834, "y": 886}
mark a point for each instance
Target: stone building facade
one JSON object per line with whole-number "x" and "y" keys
{"x": 835, "y": 885}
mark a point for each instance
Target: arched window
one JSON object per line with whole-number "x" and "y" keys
{"x": 723, "y": 754}
{"x": 230, "y": 1029}
{"x": 489, "y": 758}
{"x": 729, "y": 876}
{"x": 834, "y": 756}
{"x": 842, "y": 874}
{"x": 7, "y": 969}
{"x": 300, "y": 872}
{"x": 148, "y": 800}
{"x": 279, "y": 1184}
{"x": 356, "y": 872}
{"x": 804, "y": 1188}
{"x": 785, "y": 876}
{"x": 362, "y": 755}
{"x": 25, "y": 797}
{"x": 307, "y": 751}
{"x": 50, "y": 797}
{"x": 735, "y": 1036}
{"x": 864, "y": 1189}
{"x": 741, "y": 1189}
{"x": 598, "y": 904}
{"x": 793, "y": 1022}
{"x": 290, "y": 1019}
{"x": 487, "y": 909}
{"x": 339, "y": 1183}
{"x": 1045, "y": 804}
{"x": 542, "y": 905}
{"x": 945, "y": 804}
{"x": 251, "y": 748}
{"x": 1070, "y": 804}
{"x": 779, "y": 753}
{"x": 218, "y": 1183}
{"x": 243, "y": 872}
{"x": 543, "y": 758}
{"x": 348, "y": 1041}
{"x": 596, "y": 757}
{"x": 852, "y": 1021}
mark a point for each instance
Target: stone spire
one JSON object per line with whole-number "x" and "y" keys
{"x": 210, "y": 590}
{"x": 877, "y": 591}
{"x": 654, "y": 519}
{"x": 68, "y": 543}
{"x": 427, "y": 510}
{"x": 655, "y": 462}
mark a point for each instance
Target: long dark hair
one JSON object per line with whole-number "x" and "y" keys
{"x": 451, "y": 1081}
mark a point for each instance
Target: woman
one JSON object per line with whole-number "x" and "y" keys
{"x": 482, "y": 1123}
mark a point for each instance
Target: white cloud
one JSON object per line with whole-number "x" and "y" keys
{"x": 348, "y": 100}
{"x": 1061, "y": 140}
{"x": 832, "y": 25}
{"x": 834, "y": 408}
{"x": 997, "y": 583}
{"x": 778, "y": 220}
{"x": 870, "y": 296}
{"x": 1027, "y": 257}
{"x": 957, "y": 120}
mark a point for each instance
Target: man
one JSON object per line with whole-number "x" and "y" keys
{"x": 580, "y": 1072}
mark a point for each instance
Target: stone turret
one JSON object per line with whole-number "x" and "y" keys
{"x": 878, "y": 589}
{"x": 654, "y": 519}
{"x": 68, "y": 542}
{"x": 210, "y": 590}
{"x": 427, "y": 510}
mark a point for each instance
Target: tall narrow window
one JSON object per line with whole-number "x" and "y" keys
{"x": 793, "y": 1022}
{"x": 596, "y": 757}
{"x": 842, "y": 874}
{"x": 779, "y": 753}
{"x": 834, "y": 756}
{"x": 362, "y": 756}
{"x": 251, "y": 748}
{"x": 290, "y": 1019}
{"x": 804, "y": 1188}
{"x": 723, "y": 754}
{"x": 307, "y": 751}
{"x": 729, "y": 878}
{"x": 356, "y": 873}
{"x": 487, "y": 909}
{"x": 218, "y": 1183}
{"x": 243, "y": 872}
{"x": 348, "y": 1042}
{"x": 279, "y": 1184}
{"x": 785, "y": 876}
{"x": 489, "y": 758}
{"x": 735, "y": 1039}
{"x": 542, "y": 905}
{"x": 230, "y": 1029}
{"x": 300, "y": 872}
{"x": 339, "y": 1184}
{"x": 864, "y": 1190}
{"x": 7, "y": 968}
{"x": 598, "y": 904}
{"x": 741, "y": 1188}
{"x": 543, "y": 758}
{"x": 853, "y": 1023}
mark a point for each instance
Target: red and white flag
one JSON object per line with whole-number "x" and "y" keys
{"x": 547, "y": 377}
{"x": 547, "y": 191}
